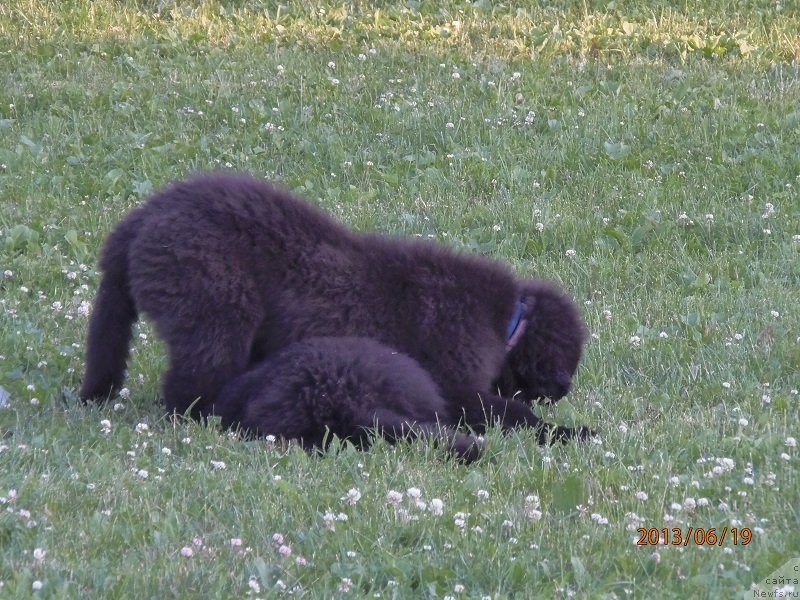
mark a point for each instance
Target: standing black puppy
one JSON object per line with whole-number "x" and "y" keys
{"x": 232, "y": 270}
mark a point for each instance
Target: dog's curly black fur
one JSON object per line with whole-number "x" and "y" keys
{"x": 232, "y": 270}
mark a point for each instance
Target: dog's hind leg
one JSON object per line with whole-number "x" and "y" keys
{"x": 204, "y": 361}
{"x": 395, "y": 427}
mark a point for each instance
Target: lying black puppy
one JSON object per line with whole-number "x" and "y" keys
{"x": 347, "y": 386}
{"x": 231, "y": 271}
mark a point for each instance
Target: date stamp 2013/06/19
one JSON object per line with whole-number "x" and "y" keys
{"x": 677, "y": 536}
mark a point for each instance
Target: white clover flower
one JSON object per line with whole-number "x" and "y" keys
{"x": 540, "y": 227}
{"x": 142, "y": 428}
{"x": 532, "y": 505}
{"x": 436, "y": 506}
{"x": 36, "y": 585}
{"x": 743, "y": 422}
{"x": 414, "y": 493}
{"x": 483, "y": 495}
{"x": 218, "y": 465}
{"x": 38, "y": 554}
{"x": 785, "y": 456}
{"x": 236, "y": 542}
{"x": 635, "y": 340}
{"x": 166, "y": 451}
{"x": 571, "y": 253}
{"x": 641, "y": 496}
{"x": 105, "y": 426}
{"x": 689, "y": 504}
{"x": 187, "y": 552}
{"x": 252, "y": 583}
{"x": 394, "y": 497}
{"x": 84, "y": 308}
{"x": 345, "y": 584}
{"x": 352, "y": 496}
{"x": 791, "y": 442}
{"x": 285, "y": 550}
{"x": 142, "y": 473}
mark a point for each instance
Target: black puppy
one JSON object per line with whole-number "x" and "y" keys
{"x": 231, "y": 270}
{"x": 346, "y": 386}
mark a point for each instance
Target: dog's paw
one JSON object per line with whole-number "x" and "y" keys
{"x": 556, "y": 433}
{"x": 466, "y": 448}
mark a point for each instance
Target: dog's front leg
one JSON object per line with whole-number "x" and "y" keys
{"x": 481, "y": 410}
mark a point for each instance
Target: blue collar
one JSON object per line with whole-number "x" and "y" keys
{"x": 519, "y": 310}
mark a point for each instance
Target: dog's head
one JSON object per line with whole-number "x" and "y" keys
{"x": 542, "y": 356}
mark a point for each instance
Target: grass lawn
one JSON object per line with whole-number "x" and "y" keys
{"x": 645, "y": 158}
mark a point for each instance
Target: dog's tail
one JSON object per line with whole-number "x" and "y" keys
{"x": 112, "y": 318}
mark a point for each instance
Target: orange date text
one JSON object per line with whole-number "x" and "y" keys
{"x": 678, "y": 536}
